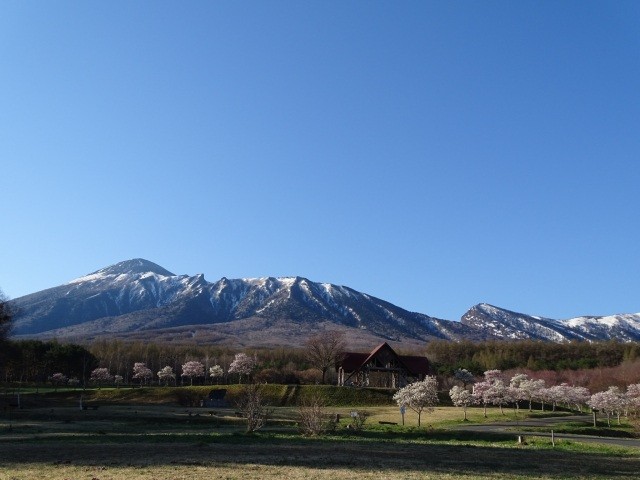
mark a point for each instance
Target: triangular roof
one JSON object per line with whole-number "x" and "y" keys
{"x": 353, "y": 361}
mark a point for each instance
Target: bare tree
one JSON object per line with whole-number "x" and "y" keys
{"x": 324, "y": 350}
{"x": 313, "y": 418}
{"x": 253, "y": 406}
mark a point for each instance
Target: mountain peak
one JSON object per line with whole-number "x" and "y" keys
{"x": 136, "y": 266}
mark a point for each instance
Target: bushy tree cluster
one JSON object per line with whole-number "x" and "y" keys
{"x": 37, "y": 361}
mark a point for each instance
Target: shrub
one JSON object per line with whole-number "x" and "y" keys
{"x": 312, "y": 417}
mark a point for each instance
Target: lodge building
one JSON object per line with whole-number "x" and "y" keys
{"x": 382, "y": 367}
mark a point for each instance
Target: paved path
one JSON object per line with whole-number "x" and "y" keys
{"x": 549, "y": 422}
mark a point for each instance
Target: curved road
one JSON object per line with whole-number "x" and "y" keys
{"x": 549, "y": 422}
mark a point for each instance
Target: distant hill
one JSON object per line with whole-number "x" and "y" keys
{"x": 138, "y": 299}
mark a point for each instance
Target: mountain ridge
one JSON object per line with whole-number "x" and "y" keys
{"x": 140, "y": 299}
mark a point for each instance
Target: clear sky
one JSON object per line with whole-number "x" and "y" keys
{"x": 432, "y": 154}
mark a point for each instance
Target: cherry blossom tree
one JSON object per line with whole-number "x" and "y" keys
{"x": 242, "y": 364}
{"x": 610, "y": 402}
{"x": 578, "y": 396}
{"x": 58, "y": 379}
{"x": 531, "y": 389}
{"x": 216, "y": 372}
{"x": 479, "y": 395}
{"x": 142, "y": 372}
{"x": 166, "y": 375}
{"x": 118, "y": 379}
{"x": 633, "y": 398}
{"x": 516, "y": 392}
{"x": 554, "y": 395}
{"x": 100, "y": 376}
{"x": 192, "y": 369}
{"x": 419, "y": 396}
{"x": 492, "y": 376}
{"x": 499, "y": 394}
{"x": 491, "y": 390}
{"x": 461, "y": 397}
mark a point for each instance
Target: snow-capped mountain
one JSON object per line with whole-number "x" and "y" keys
{"x": 505, "y": 324}
{"x": 136, "y": 298}
{"x": 623, "y": 327}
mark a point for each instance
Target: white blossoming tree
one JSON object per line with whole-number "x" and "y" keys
{"x": 142, "y": 372}
{"x": 419, "y": 396}
{"x": 101, "y": 376}
{"x": 216, "y": 372}
{"x": 531, "y": 389}
{"x": 633, "y": 398}
{"x": 491, "y": 390}
{"x": 516, "y": 392}
{"x": 242, "y": 364}
{"x": 58, "y": 379}
{"x": 461, "y": 397}
{"x": 578, "y": 397}
{"x": 192, "y": 369}
{"x": 610, "y": 402}
{"x": 480, "y": 396}
{"x": 166, "y": 375}
{"x": 499, "y": 394}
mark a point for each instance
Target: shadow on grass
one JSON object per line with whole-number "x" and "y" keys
{"x": 368, "y": 451}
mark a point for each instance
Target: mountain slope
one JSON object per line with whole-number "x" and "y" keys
{"x": 505, "y": 324}
{"x": 140, "y": 298}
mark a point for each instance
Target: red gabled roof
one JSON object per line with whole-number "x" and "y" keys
{"x": 416, "y": 364}
{"x": 352, "y": 361}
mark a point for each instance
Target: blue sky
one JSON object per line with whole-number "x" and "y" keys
{"x": 433, "y": 154}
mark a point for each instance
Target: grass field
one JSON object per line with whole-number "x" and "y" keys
{"x": 141, "y": 440}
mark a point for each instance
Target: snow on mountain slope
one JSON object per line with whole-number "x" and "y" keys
{"x": 140, "y": 296}
{"x": 506, "y": 324}
{"x": 624, "y": 327}
{"x": 510, "y": 325}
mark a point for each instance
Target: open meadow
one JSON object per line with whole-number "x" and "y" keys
{"x": 52, "y": 437}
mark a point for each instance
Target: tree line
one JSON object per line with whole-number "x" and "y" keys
{"x": 477, "y": 357}
{"x": 124, "y": 363}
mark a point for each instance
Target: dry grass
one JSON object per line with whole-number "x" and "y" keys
{"x": 163, "y": 442}
{"x": 292, "y": 459}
